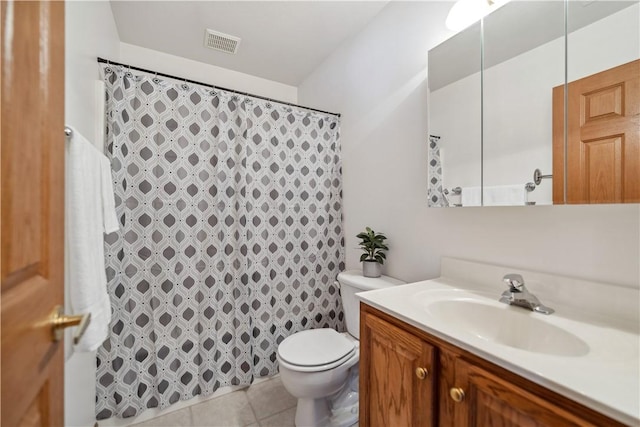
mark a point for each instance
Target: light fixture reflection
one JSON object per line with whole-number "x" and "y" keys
{"x": 466, "y": 12}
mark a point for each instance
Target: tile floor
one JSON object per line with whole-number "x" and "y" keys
{"x": 266, "y": 404}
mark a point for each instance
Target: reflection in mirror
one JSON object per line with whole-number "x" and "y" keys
{"x": 523, "y": 62}
{"x": 603, "y": 108}
{"x": 455, "y": 149}
{"x": 519, "y": 144}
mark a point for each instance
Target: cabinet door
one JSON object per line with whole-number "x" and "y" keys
{"x": 396, "y": 376}
{"x": 491, "y": 401}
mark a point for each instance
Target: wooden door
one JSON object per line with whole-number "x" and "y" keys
{"x": 492, "y": 401}
{"x": 603, "y": 137}
{"x": 393, "y": 389}
{"x": 32, "y": 198}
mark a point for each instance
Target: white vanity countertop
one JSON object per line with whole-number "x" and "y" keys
{"x": 605, "y": 376}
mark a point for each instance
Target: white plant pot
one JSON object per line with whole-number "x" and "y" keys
{"x": 371, "y": 269}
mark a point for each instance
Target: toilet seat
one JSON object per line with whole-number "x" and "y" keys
{"x": 315, "y": 350}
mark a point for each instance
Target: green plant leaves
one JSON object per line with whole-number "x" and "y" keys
{"x": 373, "y": 245}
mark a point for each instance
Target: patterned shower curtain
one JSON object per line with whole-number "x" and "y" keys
{"x": 230, "y": 239}
{"x": 435, "y": 192}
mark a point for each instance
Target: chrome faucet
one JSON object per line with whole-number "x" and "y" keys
{"x": 517, "y": 294}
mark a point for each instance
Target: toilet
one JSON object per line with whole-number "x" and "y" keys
{"x": 319, "y": 366}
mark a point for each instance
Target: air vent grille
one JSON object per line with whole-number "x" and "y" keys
{"x": 220, "y": 41}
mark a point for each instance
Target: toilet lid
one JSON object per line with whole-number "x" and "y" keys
{"x": 315, "y": 347}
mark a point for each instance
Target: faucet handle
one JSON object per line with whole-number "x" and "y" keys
{"x": 515, "y": 282}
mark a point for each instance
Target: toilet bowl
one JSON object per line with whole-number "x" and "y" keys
{"x": 316, "y": 365}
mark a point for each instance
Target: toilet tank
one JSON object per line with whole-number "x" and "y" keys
{"x": 352, "y": 282}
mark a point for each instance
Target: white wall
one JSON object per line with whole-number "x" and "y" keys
{"x": 90, "y": 32}
{"x": 604, "y": 44}
{"x": 205, "y": 73}
{"x": 378, "y": 81}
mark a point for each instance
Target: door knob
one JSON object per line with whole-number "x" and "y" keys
{"x": 59, "y": 321}
{"x": 457, "y": 394}
{"x": 421, "y": 373}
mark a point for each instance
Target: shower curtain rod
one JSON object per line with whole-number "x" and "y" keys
{"x": 131, "y": 67}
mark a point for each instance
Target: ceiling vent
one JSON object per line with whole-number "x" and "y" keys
{"x": 221, "y": 41}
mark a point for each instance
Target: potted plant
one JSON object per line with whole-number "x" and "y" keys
{"x": 373, "y": 245}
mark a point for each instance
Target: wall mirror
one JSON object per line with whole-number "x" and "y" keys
{"x": 455, "y": 112}
{"x": 497, "y": 107}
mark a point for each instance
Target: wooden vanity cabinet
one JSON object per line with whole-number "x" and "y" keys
{"x": 490, "y": 400}
{"x": 399, "y": 377}
{"x": 457, "y": 388}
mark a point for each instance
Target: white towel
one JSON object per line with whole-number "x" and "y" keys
{"x": 497, "y": 195}
{"x": 471, "y": 196}
{"x": 505, "y": 195}
{"x": 90, "y": 212}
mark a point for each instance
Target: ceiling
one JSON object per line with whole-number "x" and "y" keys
{"x": 282, "y": 41}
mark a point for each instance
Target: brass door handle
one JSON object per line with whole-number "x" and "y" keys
{"x": 60, "y": 321}
{"x": 421, "y": 373}
{"x": 457, "y": 394}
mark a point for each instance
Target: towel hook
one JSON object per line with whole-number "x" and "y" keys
{"x": 538, "y": 177}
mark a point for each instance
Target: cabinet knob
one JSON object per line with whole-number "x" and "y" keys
{"x": 457, "y": 394}
{"x": 422, "y": 373}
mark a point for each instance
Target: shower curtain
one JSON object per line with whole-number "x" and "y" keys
{"x": 435, "y": 192}
{"x": 230, "y": 238}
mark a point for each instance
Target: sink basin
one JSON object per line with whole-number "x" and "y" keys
{"x": 511, "y": 326}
